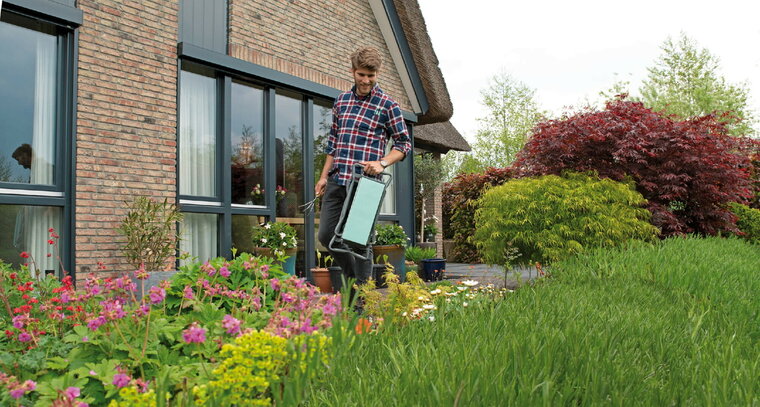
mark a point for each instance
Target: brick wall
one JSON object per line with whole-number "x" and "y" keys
{"x": 126, "y": 119}
{"x": 310, "y": 39}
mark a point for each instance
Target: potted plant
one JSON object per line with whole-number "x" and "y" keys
{"x": 391, "y": 241}
{"x": 276, "y": 240}
{"x": 150, "y": 230}
{"x": 320, "y": 275}
{"x": 430, "y": 231}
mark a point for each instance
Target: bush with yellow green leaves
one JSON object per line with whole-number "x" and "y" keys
{"x": 549, "y": 218}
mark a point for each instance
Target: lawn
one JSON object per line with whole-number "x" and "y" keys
{"x": 673, "y": 323}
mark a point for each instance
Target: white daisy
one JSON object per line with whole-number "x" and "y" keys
{"x": 282, "y": 235}
{"x": 263, "y": 240}
{"x": 267, "y": 226}
{"x": 470, "y": 283}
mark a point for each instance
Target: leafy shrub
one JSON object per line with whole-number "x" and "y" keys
{"x": 549, "y": 218}
{"x": 386, "y": 235}
{"x": 748, "y": 221}
{"x": 150, "y": 228}
{"x": 459, "y": 198}
{"x": 417, "y": 254}
{"x": 687, "y": 170}
{"x": 274, "y": 235}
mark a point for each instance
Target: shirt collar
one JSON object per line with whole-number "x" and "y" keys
{"x": 375, "y": 89}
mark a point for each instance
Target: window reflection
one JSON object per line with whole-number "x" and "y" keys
{"x": 247, "y": 160}
{"x": 28, "y": 228}
{"x": 289, "y": 166}
{"x": 321, "y": 124}
{"x": 28, "y": 69}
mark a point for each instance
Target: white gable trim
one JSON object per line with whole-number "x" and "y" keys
{"x": 381, "y": 15}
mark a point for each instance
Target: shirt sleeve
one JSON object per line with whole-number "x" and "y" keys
{"x": 396, "y": 128}
{"x": 330, "y": 147}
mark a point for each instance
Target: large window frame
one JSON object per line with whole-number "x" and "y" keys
{"x": 63, "y": 21}
{"x": 228, "y": 69}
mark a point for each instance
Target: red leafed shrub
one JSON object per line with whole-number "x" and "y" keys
{"x": 459, "y": 198}
{"x": 688, "y": 170}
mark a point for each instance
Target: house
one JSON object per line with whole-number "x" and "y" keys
{"x": 218, "y": 105}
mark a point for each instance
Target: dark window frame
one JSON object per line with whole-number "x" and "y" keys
{"x": 63, "y": 22}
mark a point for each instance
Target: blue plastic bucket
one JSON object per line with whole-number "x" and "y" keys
{"x": 432, "y": 269}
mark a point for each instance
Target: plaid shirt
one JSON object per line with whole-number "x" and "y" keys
{"x": 361, "y": 128}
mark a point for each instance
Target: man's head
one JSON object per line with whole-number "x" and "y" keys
{"x": 23, "y": 155}
{"x": 365, "y": 64}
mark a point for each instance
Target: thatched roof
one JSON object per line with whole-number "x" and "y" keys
{"x": 440, "y": 137}
{"x": 441, "y": 133}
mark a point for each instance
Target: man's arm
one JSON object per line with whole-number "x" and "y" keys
{"x": 374, "y": 167}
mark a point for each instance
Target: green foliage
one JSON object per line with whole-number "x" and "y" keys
{"x": 428, "y": 173}
{"x": 459, "y": 205}
{"x": 549, "y": 218}
{"x": 748, "y": 221}
{"x": 685, "y": 81}
{"x": 390, "y": 234}
{"x": 274, "y": 235}
{"x": 150, "y": 228}
{"x": 417, "y": 254}
{"x": 668, "y": 318}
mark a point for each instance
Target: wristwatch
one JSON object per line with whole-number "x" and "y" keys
{"x": 384, "y": 163}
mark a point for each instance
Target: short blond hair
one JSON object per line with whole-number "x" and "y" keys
{"x": 367, "y": 58}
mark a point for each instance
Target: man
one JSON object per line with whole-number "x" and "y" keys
{"x": 364, "y": 119}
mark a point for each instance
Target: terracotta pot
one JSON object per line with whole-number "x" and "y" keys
{"x": 321, "y": 279}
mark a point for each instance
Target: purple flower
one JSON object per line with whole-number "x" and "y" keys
{"x": 264, "y": 271}
{"x": 224, "y": 271}
{"x": 208, "y": 269}
{"x": 142, "y": 310}
{"x": 24, "y": 337}
{"x": 307, "y": 327}
{"x": 17, "y": 392}
{"x": 83, "y": 404}
{"x": 157, "y": 294}
{"x": 275, "y": 283}
{"x": 72, "y": 392}
{"x": 194, "y": 334}
{"x": 85, "y": 339}
{"x": 94, "y": 324}
{"x": 188, "y": 293}
{"x": 18, "y": 321}
{"x": 288, "y": 297}
{"x": 329, "y": 309}
{"x": 120, "y": 380}
{"x": 231, "y": 324}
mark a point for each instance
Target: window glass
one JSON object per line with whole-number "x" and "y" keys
{"x": 28, "y": 84}
{"x": 321, "y": 123}
{"x": 289, "y": 165}
{"x": 241, "y": 231}
{"x": 200, "y": 236}
{"x": 247, "y": 133}
{"x": 197, "y": 134}
{"x": 389, "y": 201}
{"x": 28, "y": 230}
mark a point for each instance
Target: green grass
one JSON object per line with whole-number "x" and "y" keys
{"x": 676, "y": 323}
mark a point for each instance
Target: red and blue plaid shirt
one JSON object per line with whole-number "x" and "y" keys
{"x": 360, "y": 130}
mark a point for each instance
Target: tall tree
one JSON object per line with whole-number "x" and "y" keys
{"x": 511, "y": 111}
{"x": 685, "y": 81}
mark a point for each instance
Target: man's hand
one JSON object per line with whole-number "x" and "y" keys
{"x": 319, "y": 188}
{"x": 372, "y": 167}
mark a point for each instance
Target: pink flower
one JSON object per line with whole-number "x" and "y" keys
{"x": 188, "y": 293}
{"x": 24, "y": 337}
{"x": 94, "y": 324}
{"x": 275, "y": 283}
{"x": 231, "y": 324}
{"x": 194, "y": 334}
{"x": 18, "y": 321}
{"x": 157, "y": 294}
{"x": 17, "y": 392}
{"x": 141, "y": 274}
{"x": 72, "y": 392}
{"x": 208, "y": 269}
{"x": 142, "y": 385}
{"x": 224, "y": 271}
{"x": 120, "y": 380}
{"x": 265, "y": 270}
{"x": 23, "y": 388}
{"x": 288, "y": 297}
{"x": 329, "y": 309}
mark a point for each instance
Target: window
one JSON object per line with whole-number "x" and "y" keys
{"x": 35, "y": 117}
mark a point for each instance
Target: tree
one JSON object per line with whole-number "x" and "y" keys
{"x": 688, "y": 170}
{"x": 685, "y": 81}
{"x": 511, "y": 111}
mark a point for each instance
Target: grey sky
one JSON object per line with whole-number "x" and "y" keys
{"x": 569, "y": 51}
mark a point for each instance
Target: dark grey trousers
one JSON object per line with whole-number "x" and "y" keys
{"x": 332, "y": 205}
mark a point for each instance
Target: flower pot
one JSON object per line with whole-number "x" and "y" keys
{"x": 154, "y": 279}
{"x": 432, "y": 269}
{"x": 378, "y": 270}
{"x": 321, "y": 278}
{"x": 336, "y": 278}
{"x": 288, "y": 266}
{"x": 396, "y": 258}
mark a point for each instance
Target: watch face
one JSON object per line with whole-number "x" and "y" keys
{"x": 383, "y": 163}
